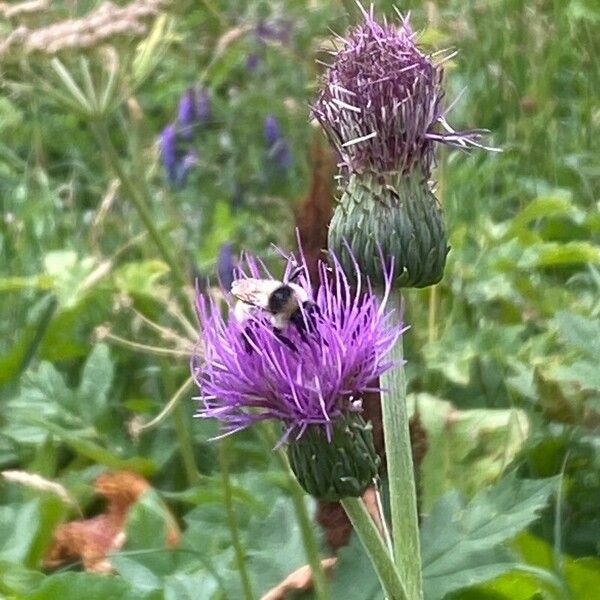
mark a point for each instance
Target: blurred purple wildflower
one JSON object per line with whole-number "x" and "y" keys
{"x": 381, "y": 101}
{"x": 246, "y": 376}
{"x": 271, "y": 130}
{"x": 168, "y": 151}
{"x": 186, "y": 114}
{"x": 183, "y": 167}
{"x": 226, "y": 266}
{"x": 277, "y": 146}
{"x": 253, "y": 61}
{"x": 203, "y": 107}
{"x": 194, "y": 108}
{"x": 177, "y": 164}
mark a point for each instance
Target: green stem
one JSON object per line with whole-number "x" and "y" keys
{"x": 374, "y": 545}
{"x": 240, "y": 558}
{"x": 141, "y": 205}
{"x": 311, "y": 547}
{"x": 186, "y": 446}
{"x": 309, "y": 540}
{"x": 180, "y": 422}
{"x": 401, "y": 477}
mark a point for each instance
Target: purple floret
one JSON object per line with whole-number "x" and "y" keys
{"x": 248, "y": 373}
{"x": 381, "y": 101}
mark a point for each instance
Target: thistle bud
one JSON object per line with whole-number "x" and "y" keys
{"x": 381, "y": 108}
{"x": 336, "y": 468}
{"x": 394, "y": 216}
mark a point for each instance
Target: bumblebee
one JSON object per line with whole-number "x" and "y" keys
{"x": 286, "y": 302}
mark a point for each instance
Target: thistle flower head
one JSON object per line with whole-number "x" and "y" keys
{"x": 381, "y": 101}
{"x": 306, "y": 380}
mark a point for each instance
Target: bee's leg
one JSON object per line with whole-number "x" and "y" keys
{"x": 283, "y": 338}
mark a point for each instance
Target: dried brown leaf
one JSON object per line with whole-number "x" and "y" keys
{"x": 91, "y": 540}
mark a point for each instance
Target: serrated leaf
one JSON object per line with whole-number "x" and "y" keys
{"x": 461, "y": 544}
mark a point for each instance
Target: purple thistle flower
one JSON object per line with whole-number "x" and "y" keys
{"x": 248, "y": 373}
{"x": 381, "y": 101}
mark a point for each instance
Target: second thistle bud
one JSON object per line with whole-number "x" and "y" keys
{"x": 381, "y": 107}
{"x": 339, "y": 467}
{"x": 394, "y": 216}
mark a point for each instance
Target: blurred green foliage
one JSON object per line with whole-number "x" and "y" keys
{"x": 508, "y": 343}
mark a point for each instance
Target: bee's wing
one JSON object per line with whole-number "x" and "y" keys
{"x": 254, "y": 291}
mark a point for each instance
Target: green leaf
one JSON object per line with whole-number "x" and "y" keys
{"x": 274, "y": 546}
{"x": 190, "y": 586}
{"x": 354, "y": 577}
{"x": 97, "y": 453}
{"x": 140, "y": 277}
{"x": 544, "y": 206}
{"x": 19, "y": 525}
{"x": 43, "y": 397}
{"x": 467, "y": 450}
{"x": 580, "y": 333}
{"x": 146, "y": 558}
{"x": 17, "y": 580}
{"x": 140, "y": 577}
{"x": 96, "y": 381}
{"x": 585, "y": 373}
{"x": 461, "y": 544}
{"x": 553, "y": 254}
{"x": 74, "y": 586}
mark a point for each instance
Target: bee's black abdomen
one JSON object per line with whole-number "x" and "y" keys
{"x": 279, "y": 299}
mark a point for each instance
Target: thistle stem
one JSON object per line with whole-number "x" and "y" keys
{"x": 401, "y": 477}
{"x": 309, "y": 540}
{"x": 240, "y": 557}
{"x": 180, "y": 423}
{"x": 375, "y": 546}
{"x": 311, "y": 548}
{"x": 138, "y": 200}
{"x": 186, "y": 446}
